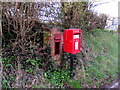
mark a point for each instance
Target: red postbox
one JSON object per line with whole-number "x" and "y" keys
{"x": 72, "y": 40}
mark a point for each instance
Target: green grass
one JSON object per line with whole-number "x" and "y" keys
{"x": 103, "y": 66}
{"x": 74, "y": 84}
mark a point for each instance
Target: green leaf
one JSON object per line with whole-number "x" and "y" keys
{"x": 45, "y": 74}
{"x": 39, "y": 59}
{"x": 5, "y": 81}
{"x": 8, "y": 65}
{"x": 32, "y": 63}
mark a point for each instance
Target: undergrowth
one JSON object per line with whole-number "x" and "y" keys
{"x": 94, "y": 66}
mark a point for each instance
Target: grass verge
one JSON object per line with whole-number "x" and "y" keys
{"x": 102, "y": 68}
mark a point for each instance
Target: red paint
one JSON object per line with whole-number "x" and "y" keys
{"x": 57, "y": 37}
{"x": 72, "y": 40}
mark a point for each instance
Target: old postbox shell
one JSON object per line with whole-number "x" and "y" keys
{"x": 72, "y": 40}
{"x": 57, "y": 40}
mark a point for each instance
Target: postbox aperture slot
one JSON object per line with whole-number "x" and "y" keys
{"x": 57, "y": 49}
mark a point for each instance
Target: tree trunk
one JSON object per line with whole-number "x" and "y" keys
{"x": 0, "y": 46}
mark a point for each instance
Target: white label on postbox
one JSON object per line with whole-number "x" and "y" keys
{"x": 76, "y": 45}
{"x": 75, "y": 36}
